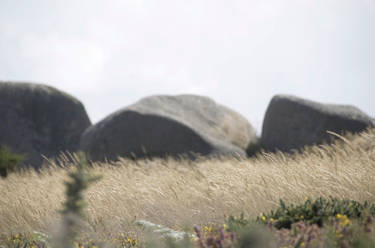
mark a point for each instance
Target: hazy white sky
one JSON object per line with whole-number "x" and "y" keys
{"x": 111, "y": 53}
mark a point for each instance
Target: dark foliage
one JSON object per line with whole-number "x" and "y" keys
{"x": 9, "y": 161}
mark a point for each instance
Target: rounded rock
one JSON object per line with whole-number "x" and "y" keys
{"x": 162, "y": 125}
{"x": 39, "y": 120}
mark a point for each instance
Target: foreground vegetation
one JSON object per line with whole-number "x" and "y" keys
{"x": 327, "y": 197}
{"x": 319, "y": 230}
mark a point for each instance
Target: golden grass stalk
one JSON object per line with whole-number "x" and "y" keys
{"x": 181, "y": 193}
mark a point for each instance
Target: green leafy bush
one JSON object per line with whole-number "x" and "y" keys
{"x": 9, "y": 162}
{"x": 316, "y": 212}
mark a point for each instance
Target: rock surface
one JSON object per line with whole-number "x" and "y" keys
{"x": 37, "y": 119}
{"x": 291, "y": 122}
{"x": 169, "y": 125}
{"x": 164, "y": 232}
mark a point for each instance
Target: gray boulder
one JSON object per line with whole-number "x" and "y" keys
{"x": 291, "y": 122}
{"x": 162, "y": 125}
{"x": 39, "y": 120}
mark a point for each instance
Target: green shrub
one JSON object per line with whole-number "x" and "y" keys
{"x": 74, "y": 205}
{"x": 234, "y": 224}
{"x": 9, "y": 162}
{"x": 24, "y": 240}
{"x": 316, "y": 212}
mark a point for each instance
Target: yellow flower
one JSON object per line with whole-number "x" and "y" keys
{"x": 302, "y": 217}
{"x": 207, "y": 229}
{"x": 262, "y": 217}
{"x": 129, "y": 242}
{"x": 343, "y": 220}
{"x": 302, "y": 244}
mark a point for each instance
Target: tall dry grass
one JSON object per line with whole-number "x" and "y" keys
{"x": 180, "y": 193}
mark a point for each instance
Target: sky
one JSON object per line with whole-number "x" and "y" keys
{"x": 111, "y": 53}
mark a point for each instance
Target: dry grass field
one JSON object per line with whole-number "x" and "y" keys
{"x": 178, "y": 194}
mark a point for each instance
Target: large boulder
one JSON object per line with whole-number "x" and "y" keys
{"x": 39, "y": 120}
{"x": 291, "y": 122}
{"x": 163, "y": 125}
